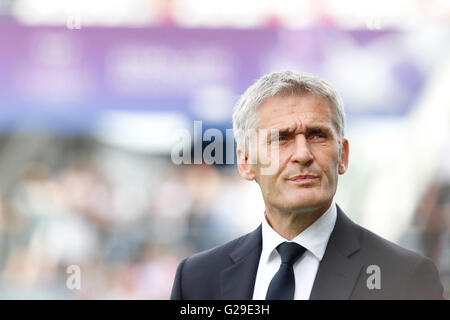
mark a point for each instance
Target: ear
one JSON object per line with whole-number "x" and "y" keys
{"x": 343, "y": 161}
{"x": 244, "y": 166}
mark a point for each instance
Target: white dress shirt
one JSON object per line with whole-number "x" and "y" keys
{"x": 314, "y": 239}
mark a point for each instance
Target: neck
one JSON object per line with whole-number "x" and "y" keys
{"x": 290, "y": 224}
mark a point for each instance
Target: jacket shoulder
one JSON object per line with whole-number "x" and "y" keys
{"x": 218, "y": 254}
{"x": 198, "y": 276}
{"x": 411, "y": 273}
{"x": 385, "y": 249}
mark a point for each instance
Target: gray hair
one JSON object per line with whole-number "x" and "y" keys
{"x": 283, "y": 83}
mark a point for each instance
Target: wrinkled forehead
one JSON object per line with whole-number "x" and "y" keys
{"x": 281, "y": 111}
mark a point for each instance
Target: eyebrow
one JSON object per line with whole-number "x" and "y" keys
{"x": 309, "y": 130}
{"x": 318, "y": 129}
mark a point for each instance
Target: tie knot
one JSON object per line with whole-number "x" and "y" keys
{"x": 290, "y": 252}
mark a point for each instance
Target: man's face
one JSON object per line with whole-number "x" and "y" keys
{"x": 308, "y": 159}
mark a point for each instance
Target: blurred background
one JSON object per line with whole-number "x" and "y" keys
{"x": 93, "y": 92}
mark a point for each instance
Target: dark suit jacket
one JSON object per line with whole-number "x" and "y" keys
{"x": 229, "y": 271}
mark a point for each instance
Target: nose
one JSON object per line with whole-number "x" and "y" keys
{"x": 302, "y": 152}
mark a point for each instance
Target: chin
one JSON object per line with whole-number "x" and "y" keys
{"x": 305, "y": 204}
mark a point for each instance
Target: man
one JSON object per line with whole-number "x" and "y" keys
{"x": 289, "y": 129}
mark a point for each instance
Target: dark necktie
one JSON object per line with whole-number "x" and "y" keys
{"x": 282, "y": 286}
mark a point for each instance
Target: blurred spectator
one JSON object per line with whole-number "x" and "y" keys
{"x": 429, "y": 233}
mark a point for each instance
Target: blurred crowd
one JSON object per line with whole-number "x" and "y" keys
{"x": 127, "y": 236}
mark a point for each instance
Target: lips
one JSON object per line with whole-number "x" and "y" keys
{"x": 300, "y": 178}
{"x": 304, "y": 180}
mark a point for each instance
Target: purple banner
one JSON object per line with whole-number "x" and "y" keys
{"x": 56, "y": 72}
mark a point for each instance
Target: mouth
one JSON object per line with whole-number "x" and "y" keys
{"x": 303, "y": 179}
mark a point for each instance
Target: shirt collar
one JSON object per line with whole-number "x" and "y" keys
{"x": 314, "y": 238}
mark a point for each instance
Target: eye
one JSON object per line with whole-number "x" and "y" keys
{"x": 318, "y": 136}
{"x": 282, "y": 138}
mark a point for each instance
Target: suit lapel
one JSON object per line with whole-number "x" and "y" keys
{"x": 339, "y": 270}
{"x": 238, "y": 280}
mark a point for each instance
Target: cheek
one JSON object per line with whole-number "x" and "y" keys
{"x": 330, "y": 167}
{"x": 332, "y": 174}
{"x": 282, "y": 158}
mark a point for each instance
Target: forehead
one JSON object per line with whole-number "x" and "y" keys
{"x": 283, "y": 111}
